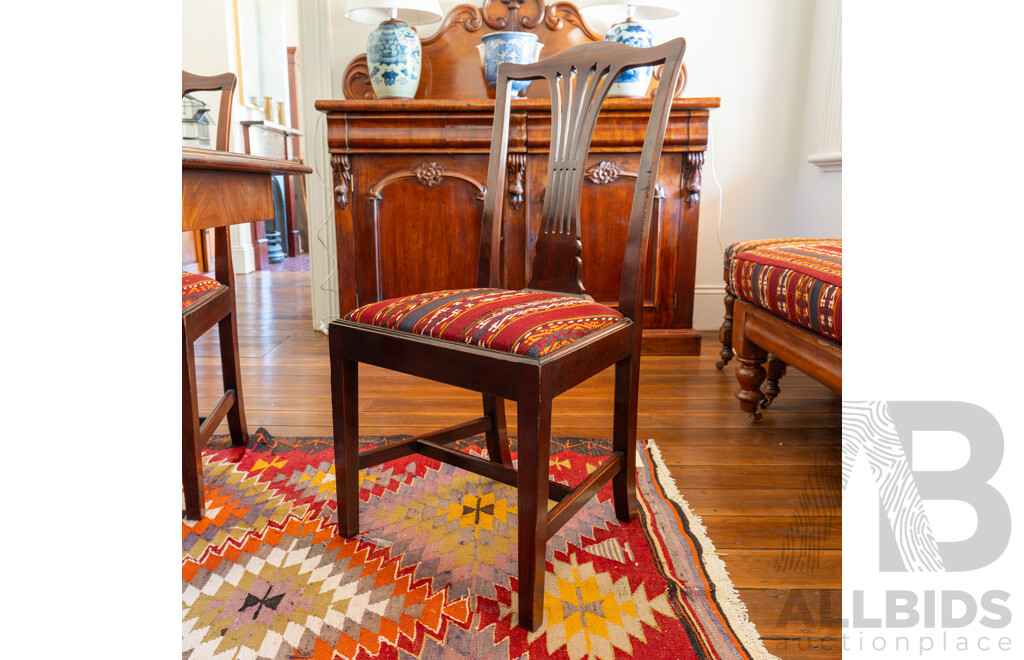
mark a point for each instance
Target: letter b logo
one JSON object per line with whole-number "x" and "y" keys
{"x": 884, "y": 432}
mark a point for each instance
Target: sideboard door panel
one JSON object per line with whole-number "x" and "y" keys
{"x": 424, "y": 228}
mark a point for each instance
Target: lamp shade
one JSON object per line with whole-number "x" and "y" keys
{"x": 617, "y": 10}
{"x": 413, "y": 12}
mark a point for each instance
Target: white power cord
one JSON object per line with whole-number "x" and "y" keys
{"x": 714, "y": 177}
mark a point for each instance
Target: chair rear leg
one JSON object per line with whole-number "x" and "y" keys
{"x": 627, "y": 376}
{"x": 232, "y": 369}
{"x": 497, "y": 435}
{"x": 534, "y": 422}
{"x": 344, "y": 404}
{"x": 191, "y": 452}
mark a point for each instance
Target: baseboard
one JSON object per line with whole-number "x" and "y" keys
{"x": 708, "y": 309}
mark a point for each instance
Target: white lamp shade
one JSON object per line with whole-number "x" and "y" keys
{"x": 374, "y": 12}
{"x": 612, "y": 11}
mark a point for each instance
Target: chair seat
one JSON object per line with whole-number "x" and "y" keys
{"x": 196, "y": 290}
{"x": 530, "y": 323}
{"x": 800, "y": 280}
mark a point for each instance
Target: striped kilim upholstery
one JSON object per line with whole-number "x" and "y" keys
{"x": 745, "y": 246}
{"x": 530, "y": 323}
{"x": 801, "y": 281}
{"x": 197, "y": 289}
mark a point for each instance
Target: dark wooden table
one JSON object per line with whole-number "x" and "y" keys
{"x": 220, "y": 188}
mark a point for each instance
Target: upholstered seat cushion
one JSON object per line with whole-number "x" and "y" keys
{"x": 800, "y": 280}
{"x": 528, "y": 323}
{"x": 197, "y": 289}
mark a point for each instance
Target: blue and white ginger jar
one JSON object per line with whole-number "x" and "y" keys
{"x": 635, "y": 81}
{"x": 393, "y": 57}
{"x": 517, "y": 47}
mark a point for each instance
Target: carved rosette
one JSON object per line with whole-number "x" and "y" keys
{"x": 516, "y": 179}
{"x": 429, "y": 174}
{"x": 342, "y": 179}
{"x": 603, "y": 173}
{"x": 692, "y": 175}
{"x": 607, "y": 172}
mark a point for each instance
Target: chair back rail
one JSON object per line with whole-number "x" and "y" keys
{"x": 579, "y": 80}
{"x": 225, "y": 83}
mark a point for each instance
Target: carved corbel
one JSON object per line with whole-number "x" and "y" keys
{"x": 516, "y": 180}
{"x": 342, "y": 179}
{"x": 692, "y": 175}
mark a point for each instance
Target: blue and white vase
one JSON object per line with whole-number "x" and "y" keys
{"x": 393, "y": 57}
{"x": 635, "y": 81}
{"x": 517, "y": 47}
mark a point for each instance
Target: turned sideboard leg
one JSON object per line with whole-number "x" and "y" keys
{"x": 776, "y": 370}
{"x": 751, "y": 371}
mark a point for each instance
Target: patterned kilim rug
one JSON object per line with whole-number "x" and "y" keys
{"x": 432, "y": 574}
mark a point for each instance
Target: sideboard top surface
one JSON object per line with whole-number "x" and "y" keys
{"x": 487, "y": 105}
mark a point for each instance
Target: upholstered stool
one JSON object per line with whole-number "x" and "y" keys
{"x": 798, "y": 282}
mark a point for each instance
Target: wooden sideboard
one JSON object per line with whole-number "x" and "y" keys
{"x": 409, "y": 177}
{"x": 409, "y": 180}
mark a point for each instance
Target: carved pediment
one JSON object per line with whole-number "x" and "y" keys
{"x": 451, "y": 64}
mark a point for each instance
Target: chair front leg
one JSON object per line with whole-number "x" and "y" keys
{"x": 191, "y": 452}
{"x": 534, "y": 422}
{"x": 344, "y": 403}
{"x": 497, "y": 435}
{"x": 627, "y": 377}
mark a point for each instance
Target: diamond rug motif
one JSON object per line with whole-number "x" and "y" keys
{"x": 432, "y": 573}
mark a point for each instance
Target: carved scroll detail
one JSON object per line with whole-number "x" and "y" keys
{"x": 514, "y": 21}
{"x": 356, "y": 81}
{"x": 516, "y": 179}
{"x": 692, "y": 175}
{"x": 564, "y": 11}
{"x": 680, "y": 81}
{"x": 606, "y": 172}
{"x": 342, "y": 178}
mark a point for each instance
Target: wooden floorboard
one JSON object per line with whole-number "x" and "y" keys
{"x": 769, "y": 494}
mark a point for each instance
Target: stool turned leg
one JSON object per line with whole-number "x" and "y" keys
{"x": 725, "y": 332}
{"x": 776, "y": 370}
{"x": 751, "y": 372}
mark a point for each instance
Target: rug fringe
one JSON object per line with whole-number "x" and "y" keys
{"x": 733, "y": 608}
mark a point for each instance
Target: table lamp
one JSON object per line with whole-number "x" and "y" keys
{"x": 393, "y": 53}
{"x": 634, "y": 82}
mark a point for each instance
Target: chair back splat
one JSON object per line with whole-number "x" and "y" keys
{"x": 579, "y": 80}
{"x": 528, "y": 346}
